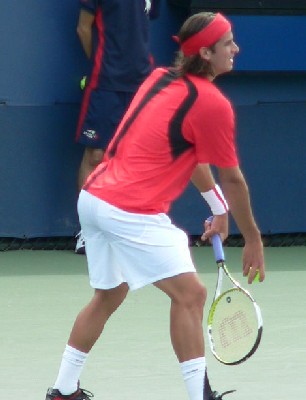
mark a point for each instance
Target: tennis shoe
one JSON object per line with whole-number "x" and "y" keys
{"x": 217, "y": 396}
{"x": 213, "y": 395}
{"x": 80, "y": 394}
{"x": 80, "y": 244}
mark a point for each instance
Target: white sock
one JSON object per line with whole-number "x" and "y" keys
{"x": 193, "y": 373}
{"x": 70, "y": 370}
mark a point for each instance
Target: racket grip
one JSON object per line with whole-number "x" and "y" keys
{"x": 217, "y": 245}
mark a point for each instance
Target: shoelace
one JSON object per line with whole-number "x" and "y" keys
{"x": 217, "y": 396}
{"x": 86, "y": 393}
{"x": 79, "y": 235}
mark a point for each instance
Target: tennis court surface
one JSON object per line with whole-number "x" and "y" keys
{"x": 42, "y": 291}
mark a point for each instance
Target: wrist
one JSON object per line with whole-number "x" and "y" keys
{"x": 216, "y": 200}
{"x": 252, "y": 235}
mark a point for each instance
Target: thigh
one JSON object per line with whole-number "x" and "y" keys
{"x": 182, "y": 287}
{"x": 110, "y": 300}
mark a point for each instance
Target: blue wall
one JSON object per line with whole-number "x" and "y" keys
{"x": 41, "y": 65}
{"x": 39, "y": 105}
{"x": 270, "y": 43}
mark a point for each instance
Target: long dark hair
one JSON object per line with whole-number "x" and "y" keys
{"x": 193, "y": 64}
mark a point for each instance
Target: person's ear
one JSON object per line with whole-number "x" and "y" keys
{"x": 205, "y": 53}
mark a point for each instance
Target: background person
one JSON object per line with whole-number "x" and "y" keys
{"x": 115, "y": 37}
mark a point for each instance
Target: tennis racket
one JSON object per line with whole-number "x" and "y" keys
{"x": 234, "y": 320}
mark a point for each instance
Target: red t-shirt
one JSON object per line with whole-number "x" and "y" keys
{"x": 171, "y": 125}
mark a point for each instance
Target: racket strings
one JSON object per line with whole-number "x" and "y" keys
{"x": 234, "y": 326}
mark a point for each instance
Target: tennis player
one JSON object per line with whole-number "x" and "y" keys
{"x": 177, "y": 125}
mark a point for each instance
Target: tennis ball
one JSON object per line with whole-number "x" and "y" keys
{"x": 257, "y": 276}
{"x": 83, "y": 82}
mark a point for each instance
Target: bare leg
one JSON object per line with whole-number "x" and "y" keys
{"x": 90, "y": 322}
{"x": 87, "y": 328}
{"x": 188, "y": 297}
{"x": 91, "y": 158}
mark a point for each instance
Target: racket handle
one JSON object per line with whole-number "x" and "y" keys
{"x": 217, "y": 245}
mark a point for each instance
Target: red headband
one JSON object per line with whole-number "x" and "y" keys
{"x": 207, "y": 36}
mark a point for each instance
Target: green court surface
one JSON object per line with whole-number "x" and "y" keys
{"x": 42, "y": 292}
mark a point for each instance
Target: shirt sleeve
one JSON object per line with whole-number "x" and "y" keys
{"x": 211, "y": 128}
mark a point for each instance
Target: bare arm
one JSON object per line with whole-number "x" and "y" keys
{"x": 203, "y": 180}
{"x": 84, "y": 31}
{"x": 236, "y": 192}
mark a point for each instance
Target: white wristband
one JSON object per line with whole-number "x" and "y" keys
{"x": 216, "y": 201}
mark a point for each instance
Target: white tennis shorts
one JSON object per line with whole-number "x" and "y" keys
{"x": 127, "y": 247}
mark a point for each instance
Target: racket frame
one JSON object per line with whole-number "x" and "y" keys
{"x": 222, "y": 269}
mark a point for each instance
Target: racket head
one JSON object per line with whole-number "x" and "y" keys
{"x": 234, "y": 326}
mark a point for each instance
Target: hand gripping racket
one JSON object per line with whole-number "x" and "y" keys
{"x": 234, "y": 320}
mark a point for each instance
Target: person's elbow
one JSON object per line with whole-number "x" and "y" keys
{"x": 231, "y": 175}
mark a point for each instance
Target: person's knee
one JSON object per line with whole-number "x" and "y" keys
{"x": 93, "y": 157}
{"x": 110, "y": 300}
{"x": 194, "y": 297}
{"x": 198, "y": 296}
